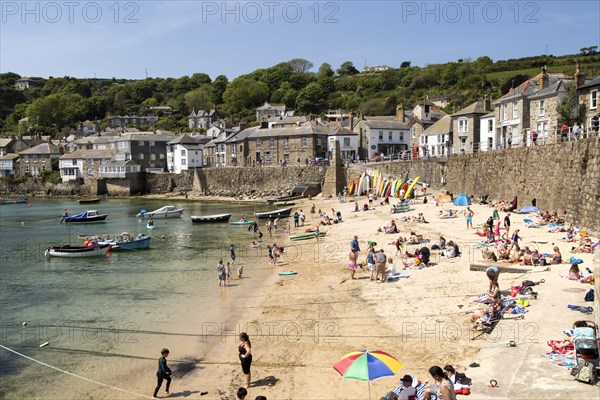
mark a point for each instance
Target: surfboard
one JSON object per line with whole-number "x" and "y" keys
{"x": 351, "y": 187}
{"x": 287, "y": 273}
{"x": 375, "y": 178}
{"x": 396, "y": 188}
{"x": 380, "y": 187}
{"x": 411, "y": 187}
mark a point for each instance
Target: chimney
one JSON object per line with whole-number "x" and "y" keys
{"x": 351, "y": 121}
{"x": 487, "y": 103}
{"x": 545, "y": 79}
{"x": 400, "y": 112}
{"x": 243, "y": 126}
{"x": 579, "y": 77}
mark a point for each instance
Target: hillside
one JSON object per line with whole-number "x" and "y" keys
{"x": 58, "y": 104}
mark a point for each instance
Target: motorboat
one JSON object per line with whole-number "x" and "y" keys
{"x": 127, "y": 242}
{"x": 163, "y": 212}
{"x": 211, "y": 218}
{"x": 89, "y": 200}
{"x": 86, "y": 216}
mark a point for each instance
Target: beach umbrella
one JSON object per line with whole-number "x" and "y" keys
{"x": 367, "y": 365}
{"x": 529, "y": 209}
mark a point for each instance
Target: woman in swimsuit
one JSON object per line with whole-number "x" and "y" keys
{"x": 445, "y": 389}
{"x": 245, "y": 349}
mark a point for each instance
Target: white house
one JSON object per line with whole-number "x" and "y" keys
{"x": 488, "y": 137}
{"x": 184, "y": 153}
{"x": 382, "y": 137}
{"x": 348, "y": 143}
{"x": 8, "y": 164}
{"x": 435, "y": 140}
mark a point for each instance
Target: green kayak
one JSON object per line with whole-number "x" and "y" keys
{"x": 304, "y": 236}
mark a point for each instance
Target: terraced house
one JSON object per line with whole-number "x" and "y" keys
{"x": 38, "y": 158}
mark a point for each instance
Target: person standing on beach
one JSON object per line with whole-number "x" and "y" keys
{"x": 296, "y": 219}
{"x": 354, "y": 244}
{"x": 232, "y": 253}
{"x": 469, "y": 216}
{"x": 163, "y": 373}
{"x": 221, "y": 273}
{"x": 302, "y": 217}
{"x": 506, "y": 226}
{"x": 352, "y": 262}
{"x": 380, "y": 260}
{"x": 269, "y": 227}
{"x": 245, "y": 350}
{"x": 275, "y": 223}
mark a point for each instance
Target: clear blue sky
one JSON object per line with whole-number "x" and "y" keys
{"x": 175, "y": 38}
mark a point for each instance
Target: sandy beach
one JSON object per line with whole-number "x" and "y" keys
{"x": 300, "y": 325}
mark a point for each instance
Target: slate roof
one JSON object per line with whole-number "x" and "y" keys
{"x": 341, "y": 131}
{"x": 592, "y": 83}
{"x": 183, "y": 139}
{"x": 89, "y": 154}
{"x": 382, "y": 124}
{"x": 475, "y": 108}
{"x": 43, "y": 148}
{"x": 442, "y": 126}
{"x": 304, "y": 130}
{"x": 560, "y": 86}
{"x": 10, "y": 156}
{"x": 5, "y": 142}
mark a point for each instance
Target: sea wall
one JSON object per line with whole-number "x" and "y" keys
{"x": 562, "y": 176}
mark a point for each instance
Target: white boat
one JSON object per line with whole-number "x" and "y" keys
{"x": 211, "y": 218}
{"x": 163, "y": 212}
{"x": 77, "y": 251}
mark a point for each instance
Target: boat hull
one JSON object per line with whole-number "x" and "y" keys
{"x": 77, "y": 251}
{"x": 241, "y": 222}
{"x": 211, "y": 218}
{"x": 162, "y": 215}
{"x": 97, "y": 218}
{"x": 282, "y": 213}
{"x": 135, "y": 244}
{"x": 13, "y": 201}
{"x": 89, "y": 201}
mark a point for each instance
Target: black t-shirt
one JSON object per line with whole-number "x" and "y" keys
{"x": 507, "y": 221}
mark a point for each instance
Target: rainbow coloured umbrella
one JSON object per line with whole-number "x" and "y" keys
{"x": 367, "y": 365}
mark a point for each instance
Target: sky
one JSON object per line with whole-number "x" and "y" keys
{"x": 135, "y": 39}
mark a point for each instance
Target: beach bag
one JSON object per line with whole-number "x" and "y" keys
{"x": 463, "y": 379}
{"x": 583, "y": 372}
{"x": 589, "y": 296}
{"x": 528, "y": 283}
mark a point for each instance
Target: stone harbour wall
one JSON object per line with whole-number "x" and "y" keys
{"x": 564, "y": 177}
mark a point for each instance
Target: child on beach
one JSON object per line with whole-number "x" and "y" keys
{"x": 163, "y": 373}
{"x": 228, "y": 272}
{"x": 221, "y": 273}
{"x": 241, "y": 272}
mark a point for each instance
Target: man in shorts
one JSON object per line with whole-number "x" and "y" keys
{"x": 380, "y": 260}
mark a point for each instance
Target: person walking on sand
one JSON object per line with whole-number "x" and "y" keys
{"x": 221, "y": 273}
{"x": 506, "y": 226}
{"x": 232, "y": 253}
{"x": 354, "y": 244}
{"x": 241, "y": 272}
{"x": 352, "y": 262}
{"x": 163, "y": 373}
{"x": 245, "y": 350}
{"x": 469, "y": 217}
{"x": 227, "y": 272}
{"x": 275, "y": 223}
{"x": 269, "y": 227}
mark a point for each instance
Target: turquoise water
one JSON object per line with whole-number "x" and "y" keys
{"x": 129, "y": 303}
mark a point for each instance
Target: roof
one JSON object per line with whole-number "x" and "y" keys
{"x": 43, "y": 148}
{"x": 475, "y": 108}
{"x": 529, "y": 87}
{"x": 559, "y": 86}
{"x": 183, "y": 139}
{"x": 88, "y": 123}
{"x": 382, "y": 124}
{"x": 192, "y": 146}
{"x": 303, "y": 130}
{"x": 442, "y": 126}
{"x": 146, "y": 136}
{"x": 341, "y": 131}
{"x": 287, "y": 120}
{"x": 5, "y": 142}
{"x": 10, "y": 156}
{"x": 592, "y": 83}
{"x": 243, "y": 134}
{"x": 120, "y": 163}
{"x": 491, "y": 114}
{"x": 89, "y": 154}
{"x": 95, "y": 140}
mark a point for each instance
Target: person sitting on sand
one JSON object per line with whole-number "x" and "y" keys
{"x": 527, "y": 259}
{"x": 450, "y": 251}
{"x": 415, "y": 239}
{"x": 556, "y": 257}
{"x": 585, "y": 245}
{"x": 574, "y": 274}
{"x": 365, "y": 207}
{"x": 356, "y": 206}
{"x": 487, "y": 315}
{"x": 441, "y": 245}
{"x": 489, "y": 255}
{"x": 421, "y": 219}
{"x": 392, "y": 228}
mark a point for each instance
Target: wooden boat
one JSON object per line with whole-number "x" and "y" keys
{"x": 163, "y": 212}
{"x": 89, "y": 201}
{"x": 77, "y": 251}
{"x": 305, "y": 236}
{"x": 13, "y": 201}
{"x": 211, "y": 218}
{"x": 281, "y": 213}
{"x": 86, "y": 216}
{"x": 127, "y": 242}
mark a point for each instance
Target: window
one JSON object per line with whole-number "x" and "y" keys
{"x": 304, "y": 141}
{"x": 258, "y": 143}
{"x": 152, "y": 143}
{"x": 401, "y": 136}
{"x": 122, "y": 145}
{"x": 141, "y": 142}
{"x": 183, "y": 153}
{"x": 594, "y": 99}
{"x": 183, "y": 161}
{"x": 515, "y": 109}
{"x": 141, "y": 156}
{"x": 504, "y": 111}
{"x": 74, "y": 162}
{"x": 286, "y": 158}
{"x": 272, "y": 143}
{"x": 491, "y": 125}
{"x": 152, "y": 157}
{"x": 34, "y": 158}
{"x": 541, "y": 127}
{"x": 161, "y": 156}
{"x": 541, "y": 107}
{"x": 463, "y": 125}
{"x": 90, "y": 172}
{"x": 390, "y": 135}
{"x": 346, "y": 142}
{"x": 286, "y": 143}
{"x": 380, "y": 135}
{"x": 414, "y": 132}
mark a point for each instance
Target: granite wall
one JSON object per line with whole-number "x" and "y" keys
{"x": 562, "y": 176}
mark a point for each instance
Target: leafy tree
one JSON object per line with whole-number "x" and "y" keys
{"x": 55, "y": 110}
{"x": 569, "y": 109}
{"x": 405, "y": 64}
{"x": 142, "y": 90}
{"x": 218, "y": 88}
{"x": 325, "y": 70}
{"x": 588, "y": 51}
{"x": 300, "y": 65}
{"x": 244, "y": 93}
{"x": 311, "y": 98}
{"x": 199, "y": 99}
{"x": 200, "y": 79}
{"x": 347, "y": 68}
{"x": 513, "y": 82}
{"x": 286, "y": 94}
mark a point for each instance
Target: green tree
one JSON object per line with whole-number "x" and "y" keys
{"x": 325, "y": 70}
{"x": 311, "y": 98}
{"x": 218, "y": 88}
{"x": 200, "y": 79}
{"x": 56, "y": 110}
{"x": 199, "y": 99}
{"x": 300, "y": 65}
{"x": 569, "y": 109}
{"x": 244, "y": 93}
{"x": 347, "y": 68}
{"x": 405, "y": 64}
{"x": 286, "y": 94}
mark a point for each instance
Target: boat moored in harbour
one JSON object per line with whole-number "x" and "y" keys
{"x": 281, "y": 213}
{"x": 77, "y": 251}
{"x": 163, "y": 212}
{"x": 211, "y": 218}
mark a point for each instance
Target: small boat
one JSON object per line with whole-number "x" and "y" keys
{"x": 89, "y": 201}
{"x": 241, "y": 222}
{"x": 281, "y": 213}
{"x": 211, "y": 218}
{"x": 13, "y": 201}
{"x": 86, "y": 216}
{"x": 150, "y": 226}
{"x": 77, "y": 251}
{"x": 127, "y": 242}
{"x": 305, "y": 236}
{"x": 163, "y": 212}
